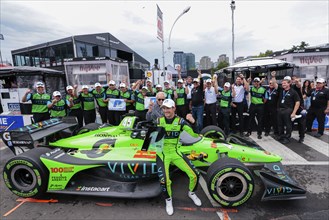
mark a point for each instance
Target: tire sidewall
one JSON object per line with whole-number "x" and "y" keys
{"x": 213, "y": 128}
{"x": 227, "y": 170}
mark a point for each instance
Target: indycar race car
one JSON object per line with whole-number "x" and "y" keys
{"x": 120, "y": 161}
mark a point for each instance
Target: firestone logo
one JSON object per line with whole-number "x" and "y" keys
{"x": 93, "y": 189}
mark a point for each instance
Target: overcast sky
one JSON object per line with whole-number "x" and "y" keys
{"x": 206, "y": 30}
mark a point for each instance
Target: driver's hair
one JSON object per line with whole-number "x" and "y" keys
{"x": 161, "y": 94}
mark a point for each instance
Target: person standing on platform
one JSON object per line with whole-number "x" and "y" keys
{"x": 225, "y": 107}
{"x": 189, "y": 86}
{"x": 88, "y": 105}
{"x": 210, "y": 95}
{"x": 158, "y": 88}
{"x": 74, "y": 104}
{"x": 319, "y": 107}
{"x": 140, "y": 96}
{"x": 39, "y": 101}
{"x": 180, "y": 99}
{"x": 99, "y": 95}
{"x": 126, "y": 95}
{"x": 150, "y": 90}
{"x": 112, "y": 93}
{"x": 197, "y": 100}
{"x": 168, "y": 90}
{"x": 57, "y": 106}
{"x": 271, "y": 103}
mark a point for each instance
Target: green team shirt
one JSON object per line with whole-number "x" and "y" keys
{"x": 126, "y": 95}
{"x": 100, "y": 96}
{"x": 169, "y": 93}
{"x": 140, "y": 102}
{"x": 76, "y": 102}
{"x": 58, "y": 110}
{"x": 114, "y": 94}
{"x": 226, "y": 99}
{"x": 257, "y": 95}
{"x": 39, "y": 102}
{"x": 181, "y": 97}
{"x": 88, "y": 101}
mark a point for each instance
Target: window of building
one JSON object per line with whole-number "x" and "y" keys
{"x": 81, "y": 50}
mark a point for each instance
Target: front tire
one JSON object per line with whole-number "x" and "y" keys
{"x": 230, "y": 183}
{"x": 25, "y": 175}
{"x": 213, "y": 132}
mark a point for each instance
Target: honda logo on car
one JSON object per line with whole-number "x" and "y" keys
{"x": 93, "y": 189}
{"x": 62, "y": 169}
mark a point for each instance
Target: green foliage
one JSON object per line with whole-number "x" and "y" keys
{"x": 302, "y": 46}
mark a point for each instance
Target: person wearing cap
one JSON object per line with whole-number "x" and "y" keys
{"x": 40, "y": 101}
{"x": 319, "y": 107}
{"x": 158, "y": 88}
{"x": 139, "y": 97}
{"x": 197, "y": 102}
{"x": 189, "y": 86}
{"x": 257, "y": 94}
{"x": 73, "y": 103}
{"x": 57, "y": 106}
{"x": 154, "y": 110}
{"x": 88, "y": 105}
{"x": 271, "y": 103}
{"x": 168, "y": 90}
{"x": 210, "y": 95}
{"x": 289, "y": 102}
{"x": 151, "y": 91}
{"x": 99, "y": 95}
{"x": 225, "y": 107}
{"x": 169, "y": 154}
{"x": 241, "y": 87}
{"x": 180, "y": 99}
{"x": 112, "y": 92}
{"x": 126, "y": 95}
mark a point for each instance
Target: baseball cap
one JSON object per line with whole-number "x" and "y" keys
{"x": 69, "y": 87}
{"x": 257, "y": 79}
{"x": 148, "y": 80}
{"x": 169, "y": 103}
{"x": 227, "y": 84}
{"x": 166, "y": 82}
{"x": 122, "y": 85}
{"x": 111, "y": 82}
{"x": 40, "y": 84}
{"x": 196, "y": 80}
{"x": 144, "y": 88}
{"x": 208, "y": 81}
{"x": 287, "y": 78}
{"x": 98, "y": 85}
{"x": 180, "y": 81}
{"x": 158, "y": 86}
{"x": 56, "y": 93}
{"x": 85, "y": 87}
{"x": 320, "y": 80}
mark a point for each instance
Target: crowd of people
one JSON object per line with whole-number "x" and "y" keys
{"x": 274, "y": 108}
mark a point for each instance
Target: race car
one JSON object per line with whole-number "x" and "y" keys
{"x": 120, "y": 161}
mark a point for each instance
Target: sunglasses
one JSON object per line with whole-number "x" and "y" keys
{"x": 111, "y": 85}
{"x": 161, "y": 99}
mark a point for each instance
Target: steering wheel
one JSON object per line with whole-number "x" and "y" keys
{"x": 144, "y": 124}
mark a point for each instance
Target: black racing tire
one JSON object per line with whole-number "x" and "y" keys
{"x": 25, "y": 175}
{"x": 229, "y": 182}
{"x": 88, "y": 127}
{"x": 214, "y": 132}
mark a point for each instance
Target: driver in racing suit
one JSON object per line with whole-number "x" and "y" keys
{"x": 169, "y": 153}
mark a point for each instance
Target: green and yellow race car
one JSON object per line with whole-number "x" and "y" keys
{"x": 120, "y": 161}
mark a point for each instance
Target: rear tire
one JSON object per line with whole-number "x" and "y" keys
{"x": 214, "y": 132}
{"x": 230, "y": 183}
{"x": 25, "y": 175}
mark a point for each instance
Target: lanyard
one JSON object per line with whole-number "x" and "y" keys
{"x": 315, "y": 93}
{"x": 285, "y": 94}
{"x": 270, "y": 93}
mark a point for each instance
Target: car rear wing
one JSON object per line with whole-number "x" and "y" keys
{"x": 23, "y": 139}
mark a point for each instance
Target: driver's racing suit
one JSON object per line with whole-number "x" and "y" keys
{"x": 170, "y": 154}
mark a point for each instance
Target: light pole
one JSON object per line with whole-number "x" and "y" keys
{"x": 232, "y": 8}
{"x": 185, "y": 11}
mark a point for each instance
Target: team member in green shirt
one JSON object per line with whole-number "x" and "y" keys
{"x": 169, "y": 154}
{"x": 180, "y": 97}
{"x": 257, "y": 94}
{"x": 99, "y": 95}
{"x": 39, "y": 101}
{"x": 126, "y": 95}
{"x": 225, "y": 107}
{"x": 57, "y": 106}
{"x": 88, "y": 105}
{"x": 73, "y": 103}
{"x": 168, "y": 90}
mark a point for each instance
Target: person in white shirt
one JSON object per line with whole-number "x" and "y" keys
{"x": 210, "y": 94}
{"x": 240, "y": 87}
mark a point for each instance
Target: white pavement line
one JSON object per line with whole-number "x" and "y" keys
{"x": 2, "y": 148}
{"x": 326, "y": 132}
{"x": 212, "y": 201}
{"x": 314, "y": 143}
{"x": 326, "y": 163}
{"x": 270, "y": 144}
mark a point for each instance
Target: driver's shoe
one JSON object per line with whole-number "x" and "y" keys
{"x": 195, "y": 198}
{"x": 169, "y": 207}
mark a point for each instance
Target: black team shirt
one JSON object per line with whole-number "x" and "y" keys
{"x": 198, "y": 95}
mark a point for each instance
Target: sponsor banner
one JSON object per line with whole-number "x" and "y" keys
{"x": 159, "y": 24}
{"x": 89, "y": 69}
{"x": 147, "y": 101}
{"x": 11, "y": 122}
{"x": 326, "y": 123}
{"x": 117, "y": 104}
{"x": 14, "y": 107}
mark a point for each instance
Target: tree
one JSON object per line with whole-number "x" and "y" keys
{"x": 266, "y": 54}
{"x": 302, "y": 46}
